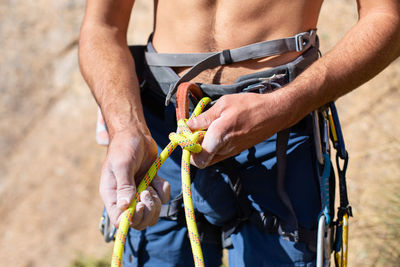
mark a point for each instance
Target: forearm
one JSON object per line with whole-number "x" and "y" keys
{"x": 109, "y": 70}
{"x": 371, "y": 45}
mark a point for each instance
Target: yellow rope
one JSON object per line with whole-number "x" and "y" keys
{"x": 188, "y": 141}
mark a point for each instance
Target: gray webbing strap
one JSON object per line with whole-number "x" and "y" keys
{"x": 202, "y": 61}
{"x": 175, "y": 60}
{"x": 173, "y": 209}
{"x": 300, "y": 42}
{"x": 281, "y": 147}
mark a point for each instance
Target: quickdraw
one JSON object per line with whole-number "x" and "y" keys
{"x": 326, "y": 226}
{"x": 344, "y": 211}
{"x": 189, "y": 143}
{"x": 324, "y": 237}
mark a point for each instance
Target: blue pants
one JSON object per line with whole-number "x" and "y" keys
{"x": 167, "y": 243}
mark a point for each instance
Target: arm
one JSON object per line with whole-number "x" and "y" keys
{"x": 108, "y": 68}
{"x": 371, "y": 45}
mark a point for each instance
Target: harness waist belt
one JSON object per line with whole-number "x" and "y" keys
{"x": 202, "y": 61}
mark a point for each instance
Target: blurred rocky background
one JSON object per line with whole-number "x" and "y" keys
{"x": 50, "y": 163}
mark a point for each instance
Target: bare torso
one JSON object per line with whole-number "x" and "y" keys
{"x": 213, "y": 25}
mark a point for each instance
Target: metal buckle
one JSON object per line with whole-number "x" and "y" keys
{"x": 302, "y": 40}
{"x": 264, "y": 85}
{"x": 254, "y": 87}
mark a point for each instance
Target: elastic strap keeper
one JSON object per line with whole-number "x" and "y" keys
{"x": 227, "y": 57}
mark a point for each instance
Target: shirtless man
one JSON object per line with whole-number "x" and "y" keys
{"x": 209, "y": 26}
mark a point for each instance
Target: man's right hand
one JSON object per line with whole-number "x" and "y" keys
{"x": 128, "y": 158}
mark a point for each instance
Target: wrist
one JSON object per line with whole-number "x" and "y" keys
{"x": 290, "y": 106}
{"x": 130, "y": 132}
{"x": 124, "y": 116}
{"x": 305, "y": 94}
{"x": 140, "y": 140}
{"x": 283, "y": 109}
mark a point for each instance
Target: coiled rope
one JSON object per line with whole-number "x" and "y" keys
{"x": 189, "y": 143}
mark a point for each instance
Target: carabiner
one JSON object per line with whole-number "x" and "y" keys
{"x": 320, "y": 240}
{"x": 105, "y": 229}
{"x": 317, "y": 137}
{"x": 324, "y": 187}
{"x": 345, "y": 239}
{"x": 341, "y": 246}
{"x": 325, "y": 137}
{"x": 324, "y": 242}
{"x": 337, "y": 131}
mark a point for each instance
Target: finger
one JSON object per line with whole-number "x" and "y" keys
{"x": 217, "y": 158}
{"x": 212, "y": 142}
{"x": 137, "y": 216}
{"x": 202, "y": 159}
{"x": 204, "y": 120}
{"x": 162, "y": 187}
{"x": 126, "y": 188}
{"x": 156, "y": 209}
{"x": 152, "y": 208}
{"x": 108, "y": 193}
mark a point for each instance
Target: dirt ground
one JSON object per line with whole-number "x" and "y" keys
{"x": 50, "y": 163}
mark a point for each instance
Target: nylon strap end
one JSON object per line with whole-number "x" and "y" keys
{"x": 171, "y": 92}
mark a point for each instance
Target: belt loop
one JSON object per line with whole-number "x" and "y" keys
{"x": 227, "y": 57}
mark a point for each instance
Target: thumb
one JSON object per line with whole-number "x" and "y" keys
{"x": 204, "y": 120}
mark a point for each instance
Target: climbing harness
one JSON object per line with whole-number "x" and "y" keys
{"x": 189, "y": 143}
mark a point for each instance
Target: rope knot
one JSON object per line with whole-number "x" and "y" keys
{"x": 185, "y": 138}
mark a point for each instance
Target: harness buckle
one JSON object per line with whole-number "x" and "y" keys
{"x": 289, "y": 236}
{"x": 302, "y": 40}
